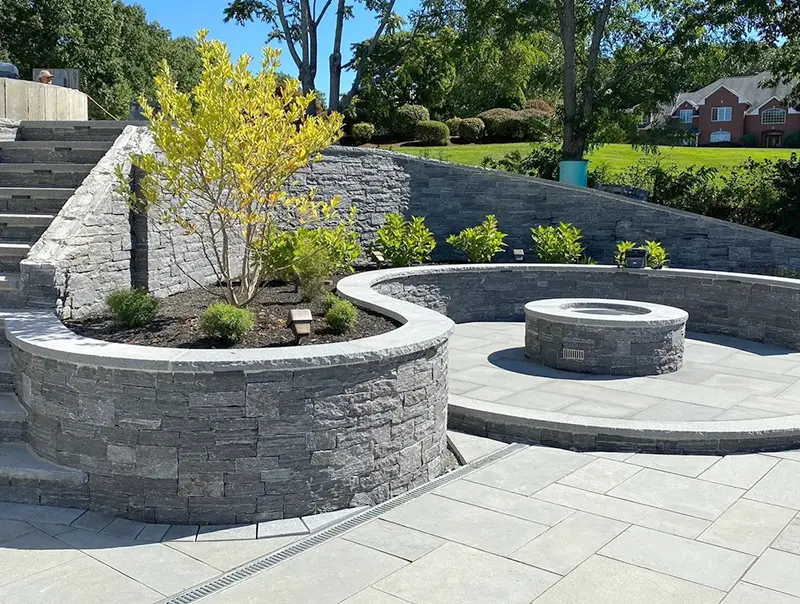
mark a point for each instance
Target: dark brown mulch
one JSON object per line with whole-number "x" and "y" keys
{"x": 176, "y": 325}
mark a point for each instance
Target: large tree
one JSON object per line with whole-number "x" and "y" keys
{"x": 297, "y": 23}
{"x": 113, "y": 45}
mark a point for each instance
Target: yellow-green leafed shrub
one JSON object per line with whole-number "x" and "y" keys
{"x": 480, "y": 243}
{"x": 403, "y": 242}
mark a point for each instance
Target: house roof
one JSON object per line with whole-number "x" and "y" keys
{"x": 746, "y": 87}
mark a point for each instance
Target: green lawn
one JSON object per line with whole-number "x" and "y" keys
{"x": 616, "y": 157}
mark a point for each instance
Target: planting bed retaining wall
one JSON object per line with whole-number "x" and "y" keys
{"x": 233, "y": 436}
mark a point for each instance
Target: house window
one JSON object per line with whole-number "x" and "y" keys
{"x": 775, "y": 115}
{"x": 721, "y": 136}
{"x": 686, "y": 116}
{"x": 721, "y": 114}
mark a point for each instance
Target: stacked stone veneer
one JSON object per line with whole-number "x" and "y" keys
{"x": 449, "y": 196}
{"x": 85, "y": 253}
{"x": 609, "y": 350}
{"x": 752, "y": 307}
{"x": 234, "y": 446}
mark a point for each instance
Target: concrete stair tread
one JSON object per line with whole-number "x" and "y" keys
{"x": 17, "y": 461}
{"x": 10, "y": 408}
{"x": 9, "y": 281}
{"x": 7, "y": 248}
{"x": 30, "y": 192}
{"x": 83, "y": 145}
{"x": 26, "y": 219}
{"x": 64, "y": 167}
{"x": 95, "y": 124}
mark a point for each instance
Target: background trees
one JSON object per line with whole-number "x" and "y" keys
{"x": 117, "y": 50}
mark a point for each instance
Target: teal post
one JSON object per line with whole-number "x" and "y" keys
{"x": 574, "y": 173}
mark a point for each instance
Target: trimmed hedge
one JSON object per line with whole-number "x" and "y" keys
{"x": 453, "y": 123}
{"x": 792, "y": 140}
{"x": 749, "y": 140}
{"x": 471, "y": 130}
{"x": 362, "y": 132}
{"x": 407, "y": 118}
{"x": 433, "y": 133}
{"x": 507, "y": 125}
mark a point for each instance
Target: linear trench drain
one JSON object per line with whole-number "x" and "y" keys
{"x": 258, "y": 566}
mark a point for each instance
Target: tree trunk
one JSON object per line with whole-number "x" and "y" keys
{"x": 573, "y": 143}
{"x": 335, "y": 61}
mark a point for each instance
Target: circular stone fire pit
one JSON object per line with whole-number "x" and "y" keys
{"x": 611, "y": 337}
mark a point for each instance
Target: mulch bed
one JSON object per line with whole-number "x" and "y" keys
{"x": 176, "y": 325}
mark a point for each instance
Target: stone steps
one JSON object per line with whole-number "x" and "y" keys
{"x": 93, "y": 130}
{"x": 43, "y": 175}
{"x": 13, "y": 419}
{"x": 34, "y": 200}
{"x": 41, "y": 152}
{"x": 23, "y": 228}
{"x": 11, "y": 254}
{"x": 27, "y": 478}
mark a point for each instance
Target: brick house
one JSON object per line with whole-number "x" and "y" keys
{"x": 731, "y": 108}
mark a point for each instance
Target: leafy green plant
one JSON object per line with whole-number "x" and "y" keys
{"x": 559, "y": 244}
{"x": 404, "y": 243}
{"x": 227, "y": 322}
{"x": 341, "y": 315}
{"x": 329, "y": 301}
{"x": 407, "y": 118}
{"x": 656, "y": 254}
{"x": 132, "y": 307}
{"x": 453, "y": 124}
{"x": 362, "y": 132}
{"x": 623, "y": 247}
{"x": 480, "y": 243}
{"x": 749, "y": 140}
{"x": 433, "y": 133}
{"x": 471, "y": 130}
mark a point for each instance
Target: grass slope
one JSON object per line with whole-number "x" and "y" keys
{"x": 616, "y": 157}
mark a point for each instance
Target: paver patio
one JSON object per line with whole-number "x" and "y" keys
{"x": 538, "y": 525}
{"x": 722, "y": 378}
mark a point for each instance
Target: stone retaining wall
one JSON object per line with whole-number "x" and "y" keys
{"x": 452, "y": 197}
{"x": 752, "y": 307}
{"x": 236, "y": 436}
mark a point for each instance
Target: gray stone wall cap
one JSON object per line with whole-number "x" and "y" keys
{"x": 588, "y": 311}
{"x": 499, "y": 415}
{"x": 666, "y": 273}
{"x": 43, "y": 334}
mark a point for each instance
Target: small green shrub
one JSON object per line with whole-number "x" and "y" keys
{"x": 508, "y": 125}
{"x": 132, "y": 307}
{"x": 749, "y": 140}
{"x": 362, "y": 132}
{"x": 558, "y": 244}
{"x": 407, "y": 118}
{"x": 341, "y": 315}
{"x": 471, "y": 130}
{"x": 480, "y": 243}
{"x": 433, "y": 133}
{"x": 623, "y": 247}
{"x": 453, "y": 124}
{"x": 329, "y": 301}
{"x": 792, "y": 140}
{"x": 404, "y": 243}
{"x": 656, "y": 254}
{"x": 227, "y": 322}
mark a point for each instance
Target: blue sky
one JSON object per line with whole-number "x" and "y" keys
{"x": 185, "y": 17}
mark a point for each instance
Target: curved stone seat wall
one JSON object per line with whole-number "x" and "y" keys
{"x": 236, "y": 436}
{"x": 758, "y": 308}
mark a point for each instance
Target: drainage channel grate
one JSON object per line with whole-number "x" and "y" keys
{"x": 258, "y": 566}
